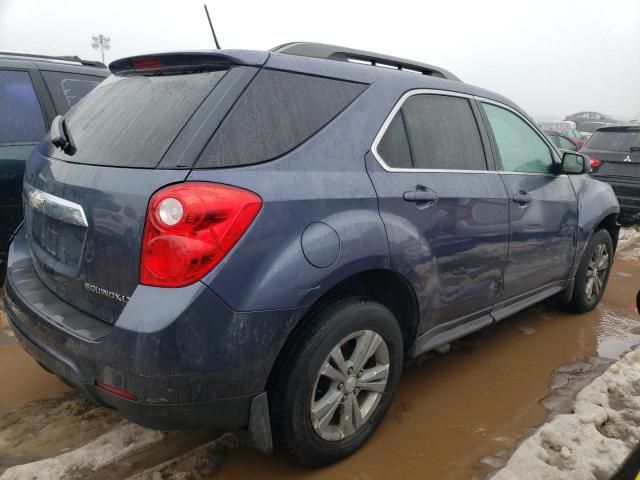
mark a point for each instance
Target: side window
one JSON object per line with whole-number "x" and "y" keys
{"x": 67, "y": 89}
{"x": 21, "y": 119}
{"x": 443, "y": 133}
{"x": 394, "y": 146}
{"x": 278, "y": 111}
{"x": 521, "y": 149}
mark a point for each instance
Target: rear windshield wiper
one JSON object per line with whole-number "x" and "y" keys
{"x": 61, "y": 136}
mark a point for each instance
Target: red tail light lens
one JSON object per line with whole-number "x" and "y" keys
{"x": 595, "y": 163}
{"x": 190, "y": 228}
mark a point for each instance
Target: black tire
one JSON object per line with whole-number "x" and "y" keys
{"x": 295, "y": 387}
{"x": 580, "y": 302}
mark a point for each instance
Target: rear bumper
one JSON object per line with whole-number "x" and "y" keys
{"x": 627, "y": 192}
{"x": 229, "y": 413}
{"x": 188, "y": 360}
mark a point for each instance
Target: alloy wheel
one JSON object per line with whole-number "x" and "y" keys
{"x": 349, "y": 385}
{"x": 597, "y": 272}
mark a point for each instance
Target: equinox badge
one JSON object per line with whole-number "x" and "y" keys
{"x": 106, "y": 293}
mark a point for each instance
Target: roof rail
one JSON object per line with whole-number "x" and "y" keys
{"x": 63, "y": 58}
{"x": 344, "y": 54}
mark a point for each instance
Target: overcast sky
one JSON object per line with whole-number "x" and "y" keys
{"x": 551, "y": 57}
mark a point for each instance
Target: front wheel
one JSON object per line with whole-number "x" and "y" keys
{"x": 337, "y": 382}
{"x": 593, "y": 273}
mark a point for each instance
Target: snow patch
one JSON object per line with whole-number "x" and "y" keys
{"x": 591, "y": 442}
{"x": 123, "y": 440}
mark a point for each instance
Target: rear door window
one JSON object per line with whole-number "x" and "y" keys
{"x": 442, "y": 133}
{"x": 521, "y": 149}
{"x": 278, "y": 111}
{"x": 67, "y": 89}
{"x": 131, "y": 121}
{"x": 615, "y": 140}
{"x": 21, "y": 118}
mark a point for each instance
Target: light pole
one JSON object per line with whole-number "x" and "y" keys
{"x": 101, "y": 42}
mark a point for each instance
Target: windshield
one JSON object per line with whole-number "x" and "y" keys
{"x": 619, "y": 140}
{"x": 131, "y": 121}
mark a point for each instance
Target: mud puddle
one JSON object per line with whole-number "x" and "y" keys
{"x": 458, "y": 416}
{"x": 21, "y": 378}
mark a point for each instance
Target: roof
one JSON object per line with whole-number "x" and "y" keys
{"x": 345, "y": 54}
{"x": 71, "y": 63}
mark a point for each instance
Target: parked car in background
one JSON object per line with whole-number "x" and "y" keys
{"x": 561, "y": 141}
{"x": 566, "y": 128}
{"x": 198, "y": 253}
{"x": 588, "y": 122}
{"x": 614, "y": 153}
{"x": 33, "y": 90}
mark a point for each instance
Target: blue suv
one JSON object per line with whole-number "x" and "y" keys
{"x": 256, "y": 240}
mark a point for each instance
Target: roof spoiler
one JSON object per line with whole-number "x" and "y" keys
{"x": 167, "y": 63}
{"x": 344, "y": 54}
{"x": 62, "y": 58}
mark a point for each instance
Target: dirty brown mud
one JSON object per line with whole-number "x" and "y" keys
{"x": 455, "y": 416}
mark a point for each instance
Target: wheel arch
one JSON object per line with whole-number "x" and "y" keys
{"x": 382, "y": 285}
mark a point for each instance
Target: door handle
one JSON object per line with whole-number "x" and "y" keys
{"x": 420, "y": 196}
{"x": 522, "y": 198}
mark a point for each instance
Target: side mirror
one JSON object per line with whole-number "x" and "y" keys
{"x": 574, "y": 163}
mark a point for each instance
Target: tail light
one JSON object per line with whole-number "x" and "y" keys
{"x": 190, "y": 228}
{"x": 595, "y": 164}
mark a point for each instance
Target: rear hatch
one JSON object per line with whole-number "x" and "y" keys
{"x": 85, "y": 212}
{"x": 615, "y": 153}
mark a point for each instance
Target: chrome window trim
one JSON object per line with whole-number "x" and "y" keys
{"x": 446, "y": 93}
{"x": 55, "y": 207}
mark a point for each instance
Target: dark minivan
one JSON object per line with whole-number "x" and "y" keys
{"x": 34, "y": 89}
{"x": 257, "y": 240}
{"x": 614, "y": 154}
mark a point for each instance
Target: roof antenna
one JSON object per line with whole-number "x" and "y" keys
{"x": 213, "y": 32}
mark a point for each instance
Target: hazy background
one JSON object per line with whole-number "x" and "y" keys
{"x": 551, "y": 57}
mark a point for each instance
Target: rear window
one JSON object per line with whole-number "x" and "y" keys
{"x": 615, "y": 140}
{"x": 21, "y": 119}
{"x": 278, "y": 112}
{"x": 131, "y": 121}
{"x": 67, "y": 89}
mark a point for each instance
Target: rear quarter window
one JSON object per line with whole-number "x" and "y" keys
{"x": 278, "y": 111}
{"x": 67, "y": 89}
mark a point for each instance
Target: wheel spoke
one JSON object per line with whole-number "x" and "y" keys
{"x": 589, "y": 287}
{"x": 323, "y": 410}
{"x": 377, "y": 373}
{"x": 604, "y": 262}
{"x": 338, "y": 358}
{"x": 357, "y": 413}
{"x": 347, "y": 426}
{"x": 366, "y": 346}
{"x": 331, "y": 372}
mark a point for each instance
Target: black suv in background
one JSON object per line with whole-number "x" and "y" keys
{"x": 615, "y": 158}
{"x": 34, "y": 89}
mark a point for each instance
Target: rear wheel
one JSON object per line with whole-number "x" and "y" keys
{"x": 337, "y": 382}
{"x": 593, "y": 273}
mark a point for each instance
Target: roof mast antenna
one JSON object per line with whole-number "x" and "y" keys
{"x": 213, "y": 32}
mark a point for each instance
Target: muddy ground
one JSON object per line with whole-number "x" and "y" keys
{"x": 455, "y": 416}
